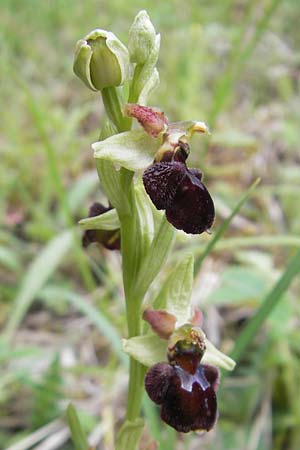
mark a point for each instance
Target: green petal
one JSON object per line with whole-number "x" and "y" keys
{"x": 176, "y": 292}
{"x": 133, "y": 150}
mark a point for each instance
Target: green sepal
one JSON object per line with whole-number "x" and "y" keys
{"x": 148, "y": 349}
{"x": 175, "y": 295}
{"x": 214, "y": 357}
{"x": 133, "y": 150}
{"x": 151, "y": 349}
{"x": 155, "y": 258}
{"x": 106, "y": 221}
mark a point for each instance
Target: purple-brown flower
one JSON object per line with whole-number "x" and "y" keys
{"x": 110, "y": 239}
{"x": 184, "y": 388}
{"x": 180, "y": 191}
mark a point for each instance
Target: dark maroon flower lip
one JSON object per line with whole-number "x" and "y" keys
{"x": 180, "y": 191}
{"x": 110, "y": 239}
{"x": 188, "y": 401}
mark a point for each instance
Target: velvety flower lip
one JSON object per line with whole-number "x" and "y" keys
{"x": 192, "y": 209}
{"x": 180, "y": 191}
{"x": 188, "y": 402}
{"x": 161, "y": 181}
{"x": 110, "y": 239}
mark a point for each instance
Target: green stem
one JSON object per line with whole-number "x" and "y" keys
{"x": 113, "y": 107}
{"x": 130, "y": 263}
{"x": 133, "y": 93}
{"x": 130, "y": 249}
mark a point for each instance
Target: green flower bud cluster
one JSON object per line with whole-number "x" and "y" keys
{"x": 103, "y": 61}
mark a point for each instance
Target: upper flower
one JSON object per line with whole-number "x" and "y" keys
{"x": 101, "y": 60}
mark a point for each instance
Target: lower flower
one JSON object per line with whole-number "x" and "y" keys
{"x": 188, "y": 401}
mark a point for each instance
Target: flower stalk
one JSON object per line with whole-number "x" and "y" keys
{"x": 145, "y": 233}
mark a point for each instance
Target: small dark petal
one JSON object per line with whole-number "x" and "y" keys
{"x": 161, "y": 181}
{"x": 212, "y": 374}
{"x": 190, "y": 407}
{"x": 192, "y": 209}
{"x": 157, "y": 381}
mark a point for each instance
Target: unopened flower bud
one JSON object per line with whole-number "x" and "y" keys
{"x": 101, "y": 60}
{"x": 141, "y": 38}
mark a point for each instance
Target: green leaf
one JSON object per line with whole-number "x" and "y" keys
{"x": 36, "y": 276}
{"x": 130, "y": 434}
{"x": 133, "y": 150}
{"x": 81, "y": 189}
{"x": 267, "y": 306}
{"x": 95, "y": 316}
{"x": 155, "y": 258}
{"x": 106, "y": 221}
{"x": 176, "y": 292}
{"x": 78, "y": 436}
{"x": 238, "y": 285}
{"x": 148, "y": 349}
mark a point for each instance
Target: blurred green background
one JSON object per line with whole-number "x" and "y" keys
{"x": 234, "y": 64}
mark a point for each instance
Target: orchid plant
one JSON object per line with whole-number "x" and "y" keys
{"x": 141, "y": 162}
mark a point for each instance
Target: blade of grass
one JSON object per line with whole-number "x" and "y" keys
{"x": 40, "y": 270}
{"x": 37, "y": 436}
{"x": 57, "y": 184}
{"x": 93, "y": 314}
{"x": 225, "y": 85}
{"x": 258, "y": 241}
{"x": 212, "y": 243}
{"x": 78, "y": 436}
{"x": 239, "y": 58}
{"x": 267, "y": 306}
